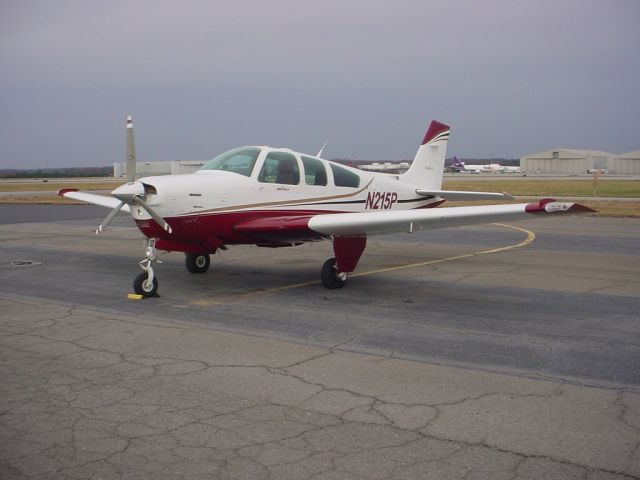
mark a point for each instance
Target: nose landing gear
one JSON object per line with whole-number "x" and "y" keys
{"x": 146, "y": 283}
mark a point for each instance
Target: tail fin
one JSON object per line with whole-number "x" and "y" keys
{"x": 131, "y": 152}
{"x": 427, "y": 168}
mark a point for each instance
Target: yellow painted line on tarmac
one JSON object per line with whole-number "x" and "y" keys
{"x": 231, "y": 298}
{"x": 241, "y": 296}
{"x": 530, "y": 238}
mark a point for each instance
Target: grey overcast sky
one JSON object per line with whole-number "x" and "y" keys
{"x": 200, "y": 77}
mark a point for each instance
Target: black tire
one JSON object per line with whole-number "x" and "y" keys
{"x": 197, "y": 262}
{"x": 329, "y": 275}
{"x": 141, "y": 287}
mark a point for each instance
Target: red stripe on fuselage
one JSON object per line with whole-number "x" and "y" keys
{"x": 205, "y": 230}
{"x": 200, "y": 229}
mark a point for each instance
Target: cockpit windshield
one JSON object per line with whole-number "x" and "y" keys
{"x": 239, "y": 160}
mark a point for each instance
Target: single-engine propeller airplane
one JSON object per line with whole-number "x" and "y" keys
{"x": 275, "y": 197}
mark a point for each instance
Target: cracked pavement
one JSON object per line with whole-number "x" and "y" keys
{"x": 89, "y": 393}
{"x": 519, "y": 365}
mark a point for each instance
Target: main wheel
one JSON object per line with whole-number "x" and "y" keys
{"x": 197, "y": 262}
{"x": 142, "y": 286}
{"x": 330, "y": 277}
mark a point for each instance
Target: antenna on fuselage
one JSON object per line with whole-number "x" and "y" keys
{"x": 131, "y": 151}
{"x": 319, "y": 154}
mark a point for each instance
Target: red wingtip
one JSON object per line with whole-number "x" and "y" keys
{"x": 579, "y": 208}
{"x": 435, "y": 129}
{"x": 548, "y": 205}
{"x": 66, "y": 190}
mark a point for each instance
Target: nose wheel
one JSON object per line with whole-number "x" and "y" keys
{"x": 146, "y": 283}
{"x": 142, "y": 285}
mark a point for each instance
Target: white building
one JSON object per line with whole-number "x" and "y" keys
{"x": 566, "y": 161}
{"x": 626, "y": 164}
{"x": 170, "y": 167}
{"x": 386, "y": 167}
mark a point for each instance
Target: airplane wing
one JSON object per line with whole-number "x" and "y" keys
{"x": 306, "y": 227}
{"x": 379, "y": 223}
{"x": 463, "y": 195}
{"x": 95, "y": 199}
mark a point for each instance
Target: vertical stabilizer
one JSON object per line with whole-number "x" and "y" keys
{"x": 131, "y": 152}
{"x": 427, "y": 168}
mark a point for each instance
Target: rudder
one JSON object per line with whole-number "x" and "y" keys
{"x": 427, "y": 168}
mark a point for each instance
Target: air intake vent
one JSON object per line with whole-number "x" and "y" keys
{"x": 149, "y": 189}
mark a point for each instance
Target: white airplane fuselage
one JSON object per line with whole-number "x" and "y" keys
{"x": 205, "y": 208}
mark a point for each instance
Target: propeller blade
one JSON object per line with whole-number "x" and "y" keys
{"x": 131, "y": 152}
{"x": 157, "y": 218}
{"x": 109, "y": 217}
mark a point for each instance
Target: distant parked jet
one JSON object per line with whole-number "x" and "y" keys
{"x": 493, "y": 167}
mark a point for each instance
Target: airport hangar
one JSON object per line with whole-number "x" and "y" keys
{"x": 572, "y": 161}
{"x": 169, "y": 167}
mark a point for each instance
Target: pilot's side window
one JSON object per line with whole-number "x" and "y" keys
{"x": 314, "y": 171}
{"x": 280, "y": 167}
{"x": 345, "y": 178}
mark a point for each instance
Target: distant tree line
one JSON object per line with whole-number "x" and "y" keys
{"x": 57, "y": 172}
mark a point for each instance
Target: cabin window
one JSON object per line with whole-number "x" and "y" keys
{"x": 239, "y": 160}
{"x": 315, "y": 172}
{"x": 280, "y": 167}
{"x": 345, "y": 178}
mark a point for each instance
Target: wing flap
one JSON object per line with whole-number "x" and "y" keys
{"x": 278, "y": 229}
{"x": 92, "y": 198}
{"x": 463, "y": 195}
{"x": 379, "y": 223}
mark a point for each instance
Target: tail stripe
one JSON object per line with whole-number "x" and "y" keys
{"x": 427, "y": 168}
{"x": 435, "y": 129}
{"x": 440, "y": 136}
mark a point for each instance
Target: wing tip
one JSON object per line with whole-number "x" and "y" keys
{"x": 550, "y": 205}
{"x": 63, "y": 191}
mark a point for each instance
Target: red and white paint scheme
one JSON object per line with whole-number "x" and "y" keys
{"x": 275, "y": 197}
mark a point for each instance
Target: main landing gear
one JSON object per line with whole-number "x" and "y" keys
{"x": 347, "y": 252}
{"x": 334, "y": 272}
{"x": 331, "y": 277}
{"x": 197, "y": 262}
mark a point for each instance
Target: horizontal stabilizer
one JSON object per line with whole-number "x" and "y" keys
{"x": 94, "y": 199}
{"x": 462, "y": 195}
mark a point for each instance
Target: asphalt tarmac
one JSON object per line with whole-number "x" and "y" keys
{"x": 513, "y": 343}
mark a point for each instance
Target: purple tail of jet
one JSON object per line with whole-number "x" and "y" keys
{"x": 457, "y": 164}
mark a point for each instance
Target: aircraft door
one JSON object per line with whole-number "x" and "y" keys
{"x": 280, "y": 173}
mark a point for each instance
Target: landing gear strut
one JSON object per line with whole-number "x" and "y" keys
{"x": 146, "y": 283}
{"x": 335, "y": 270}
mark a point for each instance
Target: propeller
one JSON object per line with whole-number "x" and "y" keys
{"x": 131, "y": 151}
{"x": 133, "y": 192}
{"x": 157, "y": 218}
{"x": 108, "y": 218}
